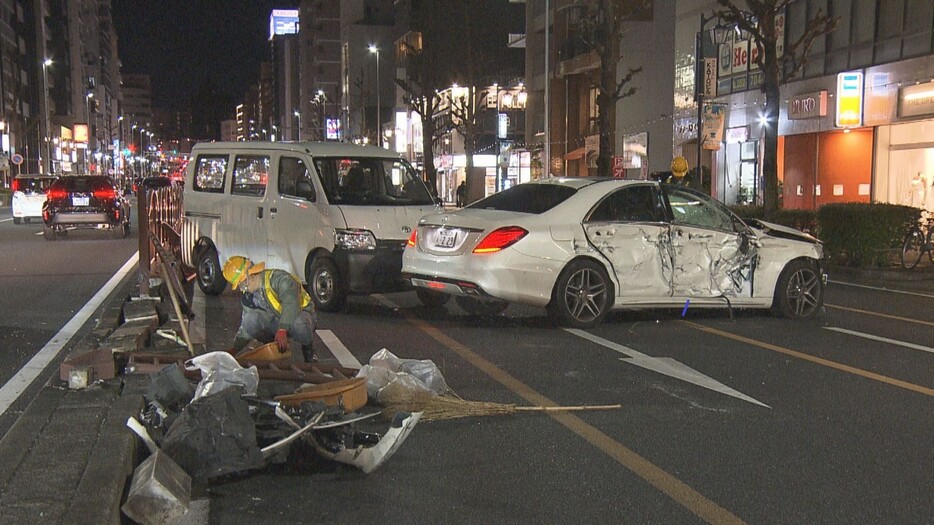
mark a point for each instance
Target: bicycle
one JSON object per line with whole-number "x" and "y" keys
{"x": 920, "y": 239}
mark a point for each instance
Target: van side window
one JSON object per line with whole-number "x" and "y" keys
{"x": 251, "y": 172}
{"x": 209, "y": 173}
{"x": 295, "y": 179}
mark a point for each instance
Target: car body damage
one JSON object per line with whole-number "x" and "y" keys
{"x": 640, "y": 255}
{"x": 709, "y": 263}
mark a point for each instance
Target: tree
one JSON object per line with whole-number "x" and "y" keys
{"x": 600, "y": 29}
{"x": 759, "y": 22}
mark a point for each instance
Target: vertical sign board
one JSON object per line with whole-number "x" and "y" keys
{"x": 849, "y": 99}
{"x": 710, "y": 77}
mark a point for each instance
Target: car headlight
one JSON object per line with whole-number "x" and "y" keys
{"x": 355, "y": 239}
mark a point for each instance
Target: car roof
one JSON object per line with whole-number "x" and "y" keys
{"x": 325, "y": 149}
{"x": 34, "y": 176}
{"x": 582, "y": 182}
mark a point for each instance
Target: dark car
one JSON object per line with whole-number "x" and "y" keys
{"x": 85, "y": 201}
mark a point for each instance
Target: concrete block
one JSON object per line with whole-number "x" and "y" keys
{"x": 159, "y": 493}
{"x": 141, "y": 309}
{"x": 88, "y": 367}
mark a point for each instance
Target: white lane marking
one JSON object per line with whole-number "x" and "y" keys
{"x": 881, "y": 339}
{"x": 883, "y": 289}
{"x": 26, "y": 375}
{"x": 343, "y": 355}
{"x": 196, "y": 329}
{"x": 666, "y": 366}
{"x": 6, "y": 220}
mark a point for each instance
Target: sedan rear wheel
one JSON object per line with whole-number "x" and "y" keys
{"x": 49, "y": 233}
{"x": 799, "y": 293}
{"x": 582, "y": 296}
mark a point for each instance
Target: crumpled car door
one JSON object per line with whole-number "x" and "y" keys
{"x": 710, "y": 255}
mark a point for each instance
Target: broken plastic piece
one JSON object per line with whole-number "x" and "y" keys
{"x": 368, "y": 458}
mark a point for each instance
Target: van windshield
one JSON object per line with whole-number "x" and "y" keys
{"x": 368, "y": 181}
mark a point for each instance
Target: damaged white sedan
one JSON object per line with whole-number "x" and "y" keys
{"x": 580, "y": 247}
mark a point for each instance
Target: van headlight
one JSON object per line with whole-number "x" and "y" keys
{"x": 355, "y": 239}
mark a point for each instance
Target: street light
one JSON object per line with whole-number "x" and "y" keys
{"x": 299, "y": 115}
{"x": 719, "y": 35}
{"x": 374, "y": 49}
{"x": 87, "y": 150}
{"x": 48, "y": 132}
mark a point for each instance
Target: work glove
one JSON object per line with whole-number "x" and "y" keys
{"x": 282, "y": 339}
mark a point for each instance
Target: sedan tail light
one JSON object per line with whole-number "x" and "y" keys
{"x": 105, "y": 193}
{"x": 56, "y": 193}
{"x": 16, "y": 185}
{"x": 500, "y": 239}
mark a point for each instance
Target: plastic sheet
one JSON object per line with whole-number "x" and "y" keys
{"x": 414, "y": 374}
{"x": 220, "y": 370}
{"x": 215, "y": 435}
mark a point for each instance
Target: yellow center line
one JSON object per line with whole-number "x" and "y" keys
{"x": 877, "y": 314}
{"x": 818, "y": 360}
{"x": 663, "y": 481}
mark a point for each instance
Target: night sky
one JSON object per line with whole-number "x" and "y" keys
{"x": 180, "y": 44}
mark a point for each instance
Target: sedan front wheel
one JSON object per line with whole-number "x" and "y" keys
{"x": 582, "y": 296}
{"x": 799, "y": 293}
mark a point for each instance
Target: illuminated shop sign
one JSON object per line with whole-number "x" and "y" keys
{"x": 808, "y": 105}
{"x": 283, "y": 22}
{"x": 849, "y": 99}
{"x": 81, "y": 133}
{"x": 916, "y": 100}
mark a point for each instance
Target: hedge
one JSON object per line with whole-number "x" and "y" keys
{"x": 854, "y": 234}
{"x": 860, "y": 234}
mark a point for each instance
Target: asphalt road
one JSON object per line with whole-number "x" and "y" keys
{"x": 44, "y": 285}
{"x": 745, "y": 419}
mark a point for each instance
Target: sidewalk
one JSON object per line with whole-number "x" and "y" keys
{"x": 70, "y": 458}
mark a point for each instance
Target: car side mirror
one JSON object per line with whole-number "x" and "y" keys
{"x": 305, "y": 190}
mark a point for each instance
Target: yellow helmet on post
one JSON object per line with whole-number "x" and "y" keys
{"x": 238, "y": 267}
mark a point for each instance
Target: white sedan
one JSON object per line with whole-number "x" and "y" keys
{"x": 580, "y": 247}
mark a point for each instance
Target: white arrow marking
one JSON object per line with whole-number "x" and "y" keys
{"x": 882, "y": 339}
{"x": 666, "y": 366}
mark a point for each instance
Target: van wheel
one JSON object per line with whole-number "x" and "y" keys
{"x": 432, "y": 298}
{"x": 474, "y": 306}
{"x": 324, "y": 285}
{"x": 210, "y": 276}
{"x": 17, "y": 220}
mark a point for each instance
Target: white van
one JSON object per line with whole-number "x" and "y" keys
{"x": 336, "y": 215}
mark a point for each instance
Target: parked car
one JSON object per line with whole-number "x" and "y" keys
{"x": 29, "y": 196}
{"x": 85, "y": 201}
{"x": 580, "y": 247}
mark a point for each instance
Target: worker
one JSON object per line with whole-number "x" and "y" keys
{"x": 275, "y": 307}
{"x": 461, "y": 194}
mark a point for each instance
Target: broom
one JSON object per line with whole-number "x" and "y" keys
{"x": 397, "y": 398}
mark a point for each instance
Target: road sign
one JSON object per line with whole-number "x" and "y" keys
{"x": 618, "y": 166}
{"x": 16, "y": 159}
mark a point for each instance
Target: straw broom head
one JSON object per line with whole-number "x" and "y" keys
{"x": 397, "y": 398}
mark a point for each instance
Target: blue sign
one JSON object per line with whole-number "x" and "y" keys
{"x": 283, "y": 22}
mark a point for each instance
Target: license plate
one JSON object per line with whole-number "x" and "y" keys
{"x": 446, "y": 238}
{"x": 79, "y": 201}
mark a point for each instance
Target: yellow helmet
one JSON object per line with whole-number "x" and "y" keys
{"x": 238, "y": 267}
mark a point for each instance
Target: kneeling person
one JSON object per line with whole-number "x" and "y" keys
{"x": 275, "y": 306}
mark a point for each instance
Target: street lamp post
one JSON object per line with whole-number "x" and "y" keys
{"x": 374, "y": 49}
{"x": 87, "y": 150}
{"x": 702, "y": 88}
{"x": 299, "y": 115}
{"x": 48, "y": 132}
